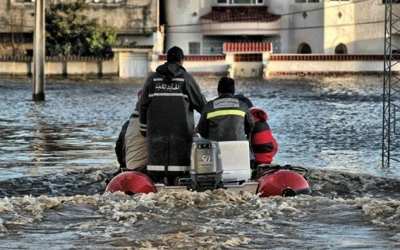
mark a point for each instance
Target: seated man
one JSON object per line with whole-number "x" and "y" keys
{"x": 263, "y": 142}
{"x": 226, "y": 118}
{"x": 130, "y": 148}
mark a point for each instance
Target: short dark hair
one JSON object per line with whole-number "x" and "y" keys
{"x": 175, "y": 54}
{"x": 226, "y": 85}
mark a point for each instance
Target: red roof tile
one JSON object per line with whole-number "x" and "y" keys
{"x": 247, "y": 47}
{"x": 241, "y": 14}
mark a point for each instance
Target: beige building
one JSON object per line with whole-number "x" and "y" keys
{"x": 292, "y": 26}
{"x": 235, "y": 37}
{"x": 140, "y": 35}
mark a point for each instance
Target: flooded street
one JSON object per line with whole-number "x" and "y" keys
{"x": 56, "y": 155}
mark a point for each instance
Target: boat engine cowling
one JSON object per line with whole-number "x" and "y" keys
{"x": 205, "y": 165}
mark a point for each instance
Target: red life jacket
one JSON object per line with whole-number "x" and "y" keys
{"x": 263, "y": 143}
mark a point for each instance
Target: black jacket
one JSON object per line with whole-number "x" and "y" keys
{"x": 170, "y": 95}
{"x": 226, "y": 119}
{"x": 120, "y": 146}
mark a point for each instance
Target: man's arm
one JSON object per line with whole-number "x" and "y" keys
{"x": 120, "y": 146}
{"x": 202, "y": 127}
{"x": 196, "y": 98}
{"x": 248, "y": 123}
{"x": 144, "y": 103}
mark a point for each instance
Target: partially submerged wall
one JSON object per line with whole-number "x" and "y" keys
{"x": 276, "y": 65}
{"x": 327, "y": 65}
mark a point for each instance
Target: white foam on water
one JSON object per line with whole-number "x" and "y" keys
{"x": 55, "y": 157}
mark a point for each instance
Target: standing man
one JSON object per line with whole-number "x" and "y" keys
{"x": 170, "y": 95}
{"x": 226, "y": 118}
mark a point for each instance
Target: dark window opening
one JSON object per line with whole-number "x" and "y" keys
{"x": 194, "y": 48}
{"x": 248, "y": 58}
{"x": 304, "y": 48}
{"x": 341, "y": 49}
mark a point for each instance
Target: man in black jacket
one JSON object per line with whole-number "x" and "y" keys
{"x": 226, "y": 118}
{"x": 170, "y": 96}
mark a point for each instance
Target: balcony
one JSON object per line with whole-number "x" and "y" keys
{"x": 251, "y": 20}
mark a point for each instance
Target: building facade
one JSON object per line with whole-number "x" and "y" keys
{"x": 140, "y": 36}
{"x": 234, "y": 37}
{"x": 292, "y": 26}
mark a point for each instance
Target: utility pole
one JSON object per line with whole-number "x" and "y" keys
{"x": 391, "y": 88}
{"x": 39, "y": 52}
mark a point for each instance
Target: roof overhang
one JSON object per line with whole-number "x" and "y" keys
{"x": 244, "y": 20}
{"x": 241, "y": 28}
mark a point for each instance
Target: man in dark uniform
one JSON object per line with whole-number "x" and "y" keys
{"x": 170, "y": 96}
{"x": 226, "y": 118}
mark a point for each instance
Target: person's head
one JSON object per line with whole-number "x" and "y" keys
{"x": 175, "y": 54}
{"x": 226, "y": 85}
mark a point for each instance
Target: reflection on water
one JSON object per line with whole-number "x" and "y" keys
{"x": 55, "y": 156}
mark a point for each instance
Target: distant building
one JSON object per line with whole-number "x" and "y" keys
{"x": 235, "y": 37}
{"x": 292, "y": 26}
{"x": 140, "y": 35}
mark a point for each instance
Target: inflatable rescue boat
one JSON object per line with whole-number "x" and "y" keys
{"x": 216, "y": 165}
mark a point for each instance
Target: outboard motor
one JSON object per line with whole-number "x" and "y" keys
{"x": 205, "y": 165}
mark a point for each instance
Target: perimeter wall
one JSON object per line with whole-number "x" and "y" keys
{"x": 275, "y": 65}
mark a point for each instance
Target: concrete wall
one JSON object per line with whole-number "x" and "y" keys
{"x": 370, "y": 32}
{"x": 135, "y": 20}
{"x": 357, "y": 24}
{"x": 279, "y": 8}
{"x": 327, "y": 65}
{"x": 128, "y": 16}
{"x": 337, "y": 18}
{"x": 69, "y": 66}
{"x": 306, "y": 26}
{"x": 183, "y": 18}
{"x": 276, "y": 65}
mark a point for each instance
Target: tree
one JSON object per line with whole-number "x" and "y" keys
{"x": 69, "y": 32}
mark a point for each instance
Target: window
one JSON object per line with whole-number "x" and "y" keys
{"x": 307, "y": 1}
{"x": 247, "y": 58}
{"x": 240, "y": 2}
{"x": 304, "y": 48}
{"x": 194, "y": 48}
{"x": 341, "y": 49}
{"x": 104, "y": 2}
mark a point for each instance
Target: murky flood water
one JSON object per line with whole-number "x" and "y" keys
{"x": 55, "y": 157}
